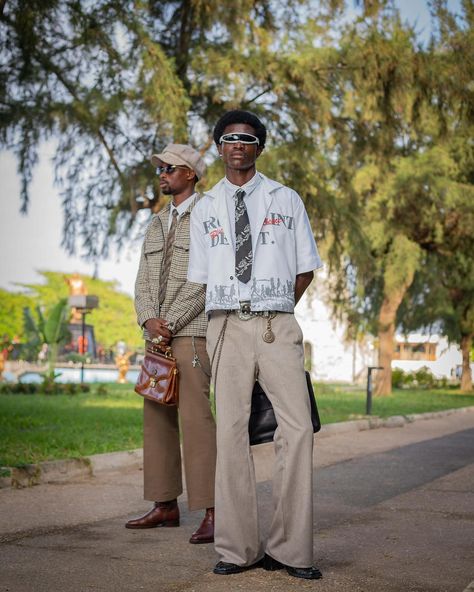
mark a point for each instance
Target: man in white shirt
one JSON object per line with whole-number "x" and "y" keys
{"x": 253, "y": 248}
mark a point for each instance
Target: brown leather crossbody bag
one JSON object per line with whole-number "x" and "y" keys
{"x": 158, "y": 378}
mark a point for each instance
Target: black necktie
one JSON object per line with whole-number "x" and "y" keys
{"x": 243, "y": 239}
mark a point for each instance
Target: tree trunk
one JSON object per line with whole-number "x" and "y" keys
{"x": 466, "y": 376}
{"x": 386, "y": 337}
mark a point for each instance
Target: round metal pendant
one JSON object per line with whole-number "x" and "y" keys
{"x": 269, "y": 336}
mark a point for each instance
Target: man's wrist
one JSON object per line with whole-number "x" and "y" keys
{"x": 171, "y": 326}
{"x": 146, "y": 316}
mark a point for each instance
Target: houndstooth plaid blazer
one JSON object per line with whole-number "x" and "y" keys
{"x": 183, "y": 306}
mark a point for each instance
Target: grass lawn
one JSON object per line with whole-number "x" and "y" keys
{"x": 340, "y": 403}
{"x": 40, "y": 427}
{"x": 34, "y": 428}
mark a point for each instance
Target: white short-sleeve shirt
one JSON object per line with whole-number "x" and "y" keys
{"x": 282, "y": 241}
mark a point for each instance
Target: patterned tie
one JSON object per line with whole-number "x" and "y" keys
{"x": 165, "y": 266}
{"x": 243, "y": 239}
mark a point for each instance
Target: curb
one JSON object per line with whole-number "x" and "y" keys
{"x": 61, "y": 471}
{"x": 395, "y": 421}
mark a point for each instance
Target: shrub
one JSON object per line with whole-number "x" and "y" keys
{"x": 19, "y": 388}
{"x": 102, "y": 390}
{"x": 401, "y": 379}
{"x": 48, "y": 387}
{"x": 422, "y": 378}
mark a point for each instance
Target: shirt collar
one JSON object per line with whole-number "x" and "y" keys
{"x": 249, "y": 187}
{"x": 182, "y": 206}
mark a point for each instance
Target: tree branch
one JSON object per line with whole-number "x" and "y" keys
{"x": 260, "y": 94}
{"x": 184, "y": 41}
{"x": 51, "y": 67}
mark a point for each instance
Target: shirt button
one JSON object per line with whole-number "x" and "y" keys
{"x": 231, "y": 277}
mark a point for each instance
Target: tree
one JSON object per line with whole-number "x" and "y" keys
{"x": 396, "y": 177}
{"x": 442, "y": 299}
{"x": 442, "y": 294}
{"x": 350, "y": 108}
{"x": 113, "y": 321}
{"x": 116, "y": 80}
{"x": 372, "y": 132}
{"x": 11, "y": 317}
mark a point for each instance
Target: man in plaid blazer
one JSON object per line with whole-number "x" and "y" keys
{"x": 170, "y": 309}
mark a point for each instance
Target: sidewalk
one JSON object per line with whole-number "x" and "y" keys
{"x": 394, "y": 511}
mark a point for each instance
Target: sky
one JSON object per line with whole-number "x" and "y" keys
{"x": 33, "y": 242}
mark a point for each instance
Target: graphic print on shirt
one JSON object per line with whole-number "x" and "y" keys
{"x": 213, "y": 228}
{"x": 270, "y": 290}
{"x": 275, "y": 219}
{"x": 223, "y": 296}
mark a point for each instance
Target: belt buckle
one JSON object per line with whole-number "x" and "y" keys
{"x": 244, "y": 312}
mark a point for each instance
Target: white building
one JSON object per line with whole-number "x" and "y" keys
{"x": 416, "y": 351}
{"x": 332, "y": 357}
{"x": 335, "y": 359}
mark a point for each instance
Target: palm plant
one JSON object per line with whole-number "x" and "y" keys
{"x": 51, "y": 329}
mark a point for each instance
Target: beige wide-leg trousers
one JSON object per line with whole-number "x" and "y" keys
{"x": 161, "y": 445}
{"x": 279, "y": 367}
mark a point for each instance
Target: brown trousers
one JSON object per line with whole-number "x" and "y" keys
{"x": 161, "y": 446}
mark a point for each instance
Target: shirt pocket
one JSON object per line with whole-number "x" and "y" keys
{"x": 180, "y": 261}
{"x": 153, "y": 252}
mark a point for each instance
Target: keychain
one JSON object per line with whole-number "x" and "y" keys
{"x": 269, "y": 336}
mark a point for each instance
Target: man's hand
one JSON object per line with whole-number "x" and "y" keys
{"x": 157, "y": 327}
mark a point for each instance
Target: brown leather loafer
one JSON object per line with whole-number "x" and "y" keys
{"x": 205, "y": 533}
{"x": 162, "y": 514}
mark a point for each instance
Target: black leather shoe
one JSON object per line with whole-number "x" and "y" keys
{"x": 226, "y": 569}
{"x": 270, "y": 564}
{"x": 308, "y": 573}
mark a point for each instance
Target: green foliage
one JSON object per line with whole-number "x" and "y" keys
{"x": 113, "y": 321}
{"x": 422, "y": 379}
{"x": 32, "y": 340}
{"x": 102, "y": 390}
{"x": 403, "y": 172}
{"x": 11, "y": 312}
{"x": 370, "y": 125}
{"x": 48, "y": 386}
{"x": 54, "y": 327}
{"x": 115, "y": 81}
{"x": 51, "y": 328}
{"x": 77, "y": 358}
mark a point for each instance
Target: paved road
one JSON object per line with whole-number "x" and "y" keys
{"x": 394, "y": 512}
